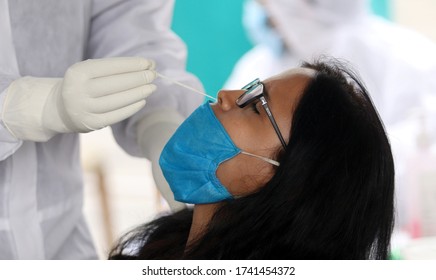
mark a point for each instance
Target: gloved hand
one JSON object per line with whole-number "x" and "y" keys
{"x": 93, "y": 94}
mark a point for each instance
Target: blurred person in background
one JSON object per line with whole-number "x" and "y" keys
{"x": 397, "y": 65}
{"x": 69, "y": 67}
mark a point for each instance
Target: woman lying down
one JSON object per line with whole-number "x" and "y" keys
{"x": 297, "y": 166}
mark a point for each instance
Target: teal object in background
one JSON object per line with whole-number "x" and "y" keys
{"x": 213, "y": 33}
{"x": 216, "y": 39}
{"x": 382, "y": 8}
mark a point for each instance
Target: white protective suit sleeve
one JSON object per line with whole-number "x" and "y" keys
{"x": 10, "y": 144}
{"x": 142, "y": 28}
{"x": 8, "y": 73}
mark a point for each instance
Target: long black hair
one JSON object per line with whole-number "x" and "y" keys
{"x": 332, "y": 197}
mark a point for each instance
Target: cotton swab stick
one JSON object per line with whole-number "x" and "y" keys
{"x": 185, "y": 86}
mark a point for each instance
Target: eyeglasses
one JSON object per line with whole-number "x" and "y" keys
{"x": 255, "y": 90}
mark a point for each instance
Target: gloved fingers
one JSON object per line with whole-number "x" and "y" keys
{"x": 93, "y": 68}
{"x": 121, "y": 82}
{"x": 120, "y": 114}
{"x": 119, "y": 100}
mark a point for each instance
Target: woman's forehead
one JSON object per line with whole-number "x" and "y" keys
{"x": 290, "y": 81}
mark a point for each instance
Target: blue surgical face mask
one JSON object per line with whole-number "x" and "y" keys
{"x": 258, "y": 28}
{"x": 191, "y": 157}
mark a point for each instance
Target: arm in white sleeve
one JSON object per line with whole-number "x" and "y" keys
{"x": 153, "y": 133}
{"x": 8, "y": 143}
{"x": 8, "y": 73}
{"x": 142, "y": 28}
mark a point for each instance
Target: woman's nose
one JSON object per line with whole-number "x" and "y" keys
{"x": 227, "y": 98}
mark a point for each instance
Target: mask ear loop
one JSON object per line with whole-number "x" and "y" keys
{"x": 270, "y": 161}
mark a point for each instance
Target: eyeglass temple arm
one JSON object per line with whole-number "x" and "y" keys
{"x": 273, "y": 121}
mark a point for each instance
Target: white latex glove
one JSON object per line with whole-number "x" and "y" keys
{"x": 93, "y": 94}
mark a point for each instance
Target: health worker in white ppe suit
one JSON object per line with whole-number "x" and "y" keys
{"x": 76, "y": 66}
{"x": 397, "y": 64}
